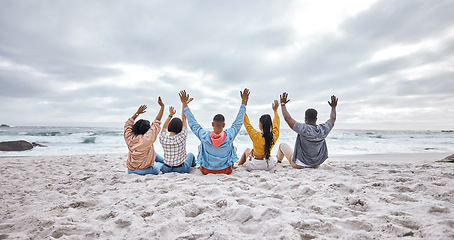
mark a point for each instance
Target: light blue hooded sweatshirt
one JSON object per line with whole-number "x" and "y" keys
{"x": 211, "y": 157}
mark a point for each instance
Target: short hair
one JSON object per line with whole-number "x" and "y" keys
{"x": 175, "y": 125}
{"x": 218, "y": 118}
{"x": 141, "y": 127}
{"x": 311, "y": 114}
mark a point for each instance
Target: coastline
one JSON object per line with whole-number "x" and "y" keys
{"x": 392, "y": 157}
{"x": 349, "y": 197}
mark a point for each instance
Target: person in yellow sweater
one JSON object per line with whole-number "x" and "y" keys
{"x": 259, "y": 158}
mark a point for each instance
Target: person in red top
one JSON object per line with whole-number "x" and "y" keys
{"x": 139, "y": 137}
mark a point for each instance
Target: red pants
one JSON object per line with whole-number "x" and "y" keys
{"x": 227, "y": 170}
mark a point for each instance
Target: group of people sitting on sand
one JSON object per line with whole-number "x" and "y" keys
{"x": 217, "y": 153}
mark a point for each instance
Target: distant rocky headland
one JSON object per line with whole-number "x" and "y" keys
{"x": 4, "y": 125}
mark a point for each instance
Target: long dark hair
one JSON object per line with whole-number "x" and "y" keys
{"x": 267, "y": 127}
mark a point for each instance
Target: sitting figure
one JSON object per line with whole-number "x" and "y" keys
{"x": 139, "y": 137}
{"x": 310, "y": 147}
{"x": 216, "y": 151}
{"x": 174, "y": 144}
{"x": 259, "y": 157}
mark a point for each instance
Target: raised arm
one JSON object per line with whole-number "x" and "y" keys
{"x": 166, "y": 123}
{"x": 193, "y": 124}
{"x": 130, "y": 122}
{"x": 333, "y": 104}
{"x": 142, "y": 109}
{"x": 238, "y": 122}
{"x": 284, "y": 100}
{"x": 161, "y": 111}
{"x": 244, "y": 96}
{"x": 249, "y": 128}
{"x": 183, "y": 117}
{"x": 276, "y": 120}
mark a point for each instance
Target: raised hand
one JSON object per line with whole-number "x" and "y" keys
{"x": 275, "y": 105}
{"x": 160, "y": 102}
{"x": 184, "y": 97}
{"x": 333, "y": 102}
{"x": 172, "y": 111}
{"x": 244, "y": 96}
{"x": 284, "y": 98}
{"x": 141, "y": 109}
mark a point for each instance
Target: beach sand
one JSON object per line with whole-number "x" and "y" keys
{"x": 348, "y": 197}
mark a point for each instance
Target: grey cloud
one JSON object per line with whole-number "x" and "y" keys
{"x": 18, "y": 86}
{"x": 80, "y": 73}
{"x": 433, "y": 86}
{"x": 404, "y": 21}
{"x": 74, "y": 41}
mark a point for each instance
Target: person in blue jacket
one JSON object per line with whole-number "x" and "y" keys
{"x": 216, "y": 153}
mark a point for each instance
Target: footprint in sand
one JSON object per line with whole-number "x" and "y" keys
{"x": 305, "y": 191}
{"x": 403, "y": 198}
{"x": 246, "y": 202}
{"x": 356, "y": 225}
{"x": 356, "y": 203}
{"x": 240, "y": 214}
{"x": 270, "y": 213}
{"x": 192, "y": 210}
{"x": 81, "y": 204}
{"x": 399, "y": 213}
{"x": 409, "y": 224}
{"x": 403, "y": 189}
{"x": 221, "y": 203}
{"x": 403, "y": 180}
{"x": 438, "y": 210}
{"x": 68, "y": 231}
{"x": 122, "y": 223}
{"x": 146, "y": 214}
{"x": 106, "y": 216}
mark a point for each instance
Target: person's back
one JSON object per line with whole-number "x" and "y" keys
{"x": 259, "y": 157}
{"x": 139, "y": 137}
{"x": 310, "y": 146}
{"x": 141, "y": 153}
{"x": 173, "y": 143}
{"x": 217, "y": 157}
{"x": 216, "y": 151}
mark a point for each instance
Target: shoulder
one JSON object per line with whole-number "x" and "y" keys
{"x": 299, "y": 126}
{"x": 129, "y": 123}
{"x": 184, "y": 132}
{"x": 326, "y": 125}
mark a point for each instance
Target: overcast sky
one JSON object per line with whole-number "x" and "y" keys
{"x": 92, "y": 63}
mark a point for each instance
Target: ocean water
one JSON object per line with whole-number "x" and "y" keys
{"x": 94, "y": 140}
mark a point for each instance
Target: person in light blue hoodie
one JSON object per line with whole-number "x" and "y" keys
{"x": 216, "y": 153}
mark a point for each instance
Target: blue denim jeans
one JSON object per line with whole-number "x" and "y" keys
{"x": 186, "y": 168}
{"x": 155, "y": 169}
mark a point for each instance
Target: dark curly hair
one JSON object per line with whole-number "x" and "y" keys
{"x": 141, "y": 127}
{"x": 175, "y": 125}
